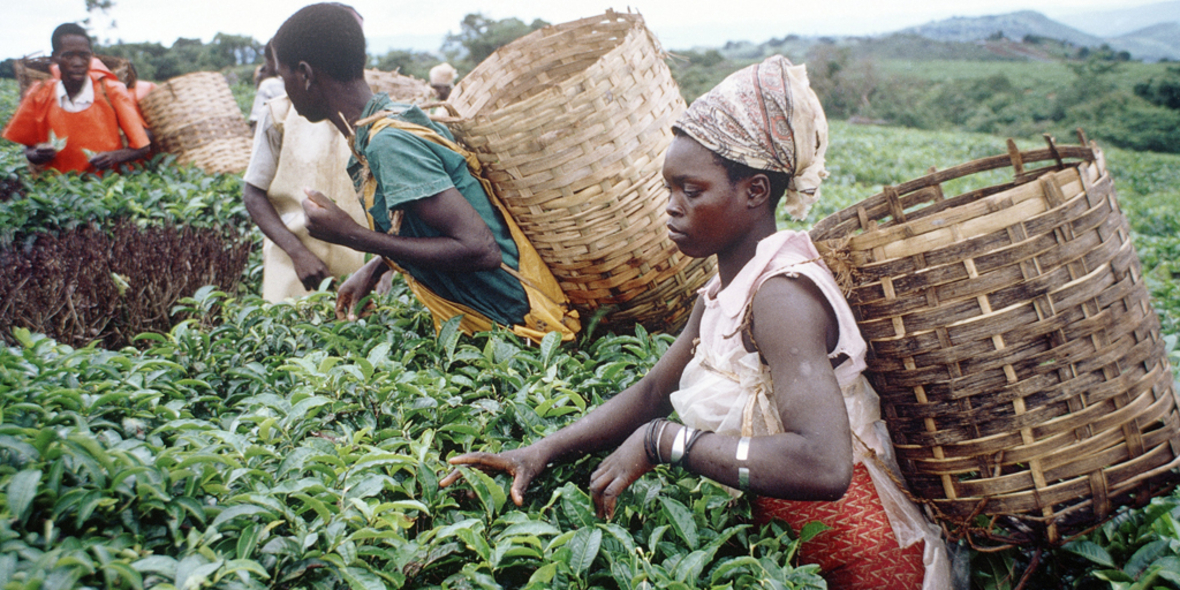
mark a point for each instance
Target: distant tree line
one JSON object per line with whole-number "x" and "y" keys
{"x": 847, "y": 78}
{"x": 477, "y": 38}
{"x": 154, "y": 61}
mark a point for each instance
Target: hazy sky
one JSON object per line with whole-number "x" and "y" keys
{"x": 422, "y": 24}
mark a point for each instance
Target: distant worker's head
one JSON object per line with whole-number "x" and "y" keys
{"x": 72, "y": 53}
{"x": 319, "y": 41}
{"x": 268, "y": 58}
{"x": 442, "y": 79}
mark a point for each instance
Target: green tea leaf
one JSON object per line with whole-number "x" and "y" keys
{"x": 550, "y": 344}
{"x": 682, "y": 521}
{"x": 584, "y": 548}
{"x": 1144, "y": 557}
{"x": 1091, "y": 551}
{"x": 811, "y": 529}
{"x": 157, "y": 564}
{"x": 22, "y": 489}
{"x": 530, "y": 528}
{"x": 193, "y": 571}
{"x": 126, "y": 573}
{"x": 362, "y": 579}
{"x": 490, "y": 493}
{"x": 238, "y": 511}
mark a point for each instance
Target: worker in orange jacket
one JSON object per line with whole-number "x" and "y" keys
{"x": 85, "y": 106}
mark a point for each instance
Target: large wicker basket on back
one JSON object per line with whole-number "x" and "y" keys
{"x": 571, "y": 123}
{"x": 1012, "y": 342}
{"x": 195, "y": 117}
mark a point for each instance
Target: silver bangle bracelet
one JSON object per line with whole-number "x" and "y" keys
{"x": 743, "y": 448}
{"x": 743, "y": 452}
{"x": 660, "y": 440}
{"x": 678, "y": 445}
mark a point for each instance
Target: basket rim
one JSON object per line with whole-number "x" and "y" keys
{"x": 479, "y": 108}
{"x": 881, "y": 201}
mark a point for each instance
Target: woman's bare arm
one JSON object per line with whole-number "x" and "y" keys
{"x": 794, "y": 328}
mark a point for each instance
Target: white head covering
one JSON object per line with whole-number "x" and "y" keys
{"x": 767, "y": 117}
{"x": 442, "y": 75}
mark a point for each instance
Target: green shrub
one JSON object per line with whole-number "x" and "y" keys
{"x": 271, "y": 445}
{"x": 89, "y": 284}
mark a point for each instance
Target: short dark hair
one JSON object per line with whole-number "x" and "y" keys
{"x": 67, "y": 29}
{"x": 737, "y": 172}
{"x": 327, "y": 36}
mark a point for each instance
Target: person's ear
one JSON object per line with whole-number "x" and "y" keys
{"x": 306, "y": 74}
{"x": 757, "y": 191}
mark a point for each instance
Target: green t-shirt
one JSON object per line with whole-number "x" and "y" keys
{"x": 408, "y": 168}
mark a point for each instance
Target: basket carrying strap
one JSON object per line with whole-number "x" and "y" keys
{"x": 548, "y": 306}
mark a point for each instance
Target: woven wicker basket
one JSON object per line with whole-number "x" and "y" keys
{"x": 1014, "y": 347}
{"x": 31, "y": 70}
{"x": 195, "y": 117}
{"x": 571, "y": 123}
{"x": 399, "y": 87}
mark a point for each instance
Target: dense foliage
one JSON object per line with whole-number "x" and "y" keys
{"x": 1123, "y": 104}
{"x": 256, "y": 445}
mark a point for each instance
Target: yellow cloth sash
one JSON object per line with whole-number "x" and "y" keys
{"x": 549, "y": 309}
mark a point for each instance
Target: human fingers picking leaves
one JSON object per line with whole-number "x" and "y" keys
{"x": 310, "y": 269}
{"x": 522, "y": 464}
{"x": 618, "y": 471}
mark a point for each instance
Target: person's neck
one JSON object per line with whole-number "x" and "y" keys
{"x": 74, "y": 88}
{"x": 346, "y": 103}
{"x": 731, "y": 261}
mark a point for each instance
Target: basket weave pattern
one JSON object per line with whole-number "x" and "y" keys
{"x": 1013, "y": 344}
{"x": 399, "y": 87}
{"x": 195, "y": 116}
{"x": 571, "y": 123}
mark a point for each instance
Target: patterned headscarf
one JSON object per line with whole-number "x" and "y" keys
{"x": 767, "y": 117}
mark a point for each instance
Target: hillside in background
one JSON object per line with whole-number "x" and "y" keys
{"x": 1153, "y": 43}
{"x": 1157, "y": 39}
{"x": 1015, "y": 25}
{"x": 1119, "y": 22}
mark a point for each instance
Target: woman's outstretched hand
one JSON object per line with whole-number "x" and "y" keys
{"x": 618, "y": 471}
{"x": 522, "y": 464}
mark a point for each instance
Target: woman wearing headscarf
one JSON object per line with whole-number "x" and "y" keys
{"x": 766, "y": 376}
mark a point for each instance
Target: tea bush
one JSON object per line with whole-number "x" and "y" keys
{"x": 269, "y": 445}
{"x": 253, "y": 445}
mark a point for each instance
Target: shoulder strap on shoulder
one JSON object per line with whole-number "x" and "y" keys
{"x": 280, "y": 108}
{"x": 549, "y": 307}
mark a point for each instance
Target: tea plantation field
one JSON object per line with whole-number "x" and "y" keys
{"x": 258, "y": 446}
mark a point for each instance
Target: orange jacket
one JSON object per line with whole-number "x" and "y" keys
{"x": 96, "y": 128}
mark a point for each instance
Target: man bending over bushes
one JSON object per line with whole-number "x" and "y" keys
{"x": 85, "y": 106}
{"x": 456, "y": 249}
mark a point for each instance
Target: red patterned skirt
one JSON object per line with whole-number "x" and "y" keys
{"x": 860, "y": 550}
